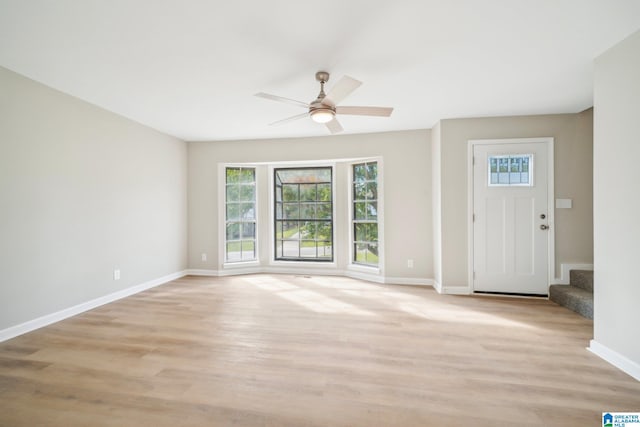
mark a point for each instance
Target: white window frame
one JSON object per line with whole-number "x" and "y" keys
{"x": 222, "y": 215}
{"x": 352, "y": 265}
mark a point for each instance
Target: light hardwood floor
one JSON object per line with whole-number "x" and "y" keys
{"x": 276, "y": 350}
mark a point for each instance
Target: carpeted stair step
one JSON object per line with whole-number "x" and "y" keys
{"x": 574, "y": 298}
{"x": 582, "y": 279}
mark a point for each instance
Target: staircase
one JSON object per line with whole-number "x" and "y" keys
{"x": 578, "y": 295}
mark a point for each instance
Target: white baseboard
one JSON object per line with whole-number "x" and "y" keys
{"x": 451, "y": 290}
{"x": 375, "y": 278}
{"x": 456, "y": 290}
{"x": 408, "y": 281}
{"x": 31, "y": 325}
{"x": 202, "y": 272}
{"x": 437, "y": 286}
{"x": 566, "y": 268}
{"x": 616, "y": 359}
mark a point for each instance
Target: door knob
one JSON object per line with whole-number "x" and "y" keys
{"x": 542, "y": 216}
{"x": 544, "y": 227}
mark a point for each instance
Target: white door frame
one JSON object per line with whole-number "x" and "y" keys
{"x": 550, "y": 201}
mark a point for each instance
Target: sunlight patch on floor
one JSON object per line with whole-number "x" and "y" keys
{"x": 306, "y": 298}
{"x": 431, "y": 310}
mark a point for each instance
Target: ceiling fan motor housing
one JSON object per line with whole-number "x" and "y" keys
{"x": 322, "y": 76}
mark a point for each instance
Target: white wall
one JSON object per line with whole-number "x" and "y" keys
{"x": 573, "y": 179}
{"x": 82, "y": 192}
{"x": 406, "y": 158}
{"x": 617, "y": 205}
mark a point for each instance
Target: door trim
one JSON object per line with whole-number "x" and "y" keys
{"x": 551, "y": 262}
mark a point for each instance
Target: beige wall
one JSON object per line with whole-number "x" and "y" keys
{"x": 436, "y": 182}
{"x": 406, "y": 160}
{"x": 617, "y": 203}
{"x": 573, "y": 179}
{"x": 82, "y": 192}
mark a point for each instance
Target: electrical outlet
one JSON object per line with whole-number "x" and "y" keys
{"x": 410, "y": 263}
{"x": 204, "y": 256}
{"x": 116, "y": 274}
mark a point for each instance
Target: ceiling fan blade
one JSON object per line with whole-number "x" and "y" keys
{"x": 341, "y": 90}
{"x": 334, "y": 126}
{"x": 289, "y": 119}
{"x": 365, "y": 111}
{"x": 282, "y": 99}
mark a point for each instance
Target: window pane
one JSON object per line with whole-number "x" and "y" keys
{"x": 308, "y": 192}
{"x": 360, "y": 232}
{"x": 323, "y": 211}
{"x": 372, "y": 210}
{"x": 233, "y": 211}
{"x": 308, "y": 249}
{"x": 248, "y": 211}
{"x": 308, "y": 230}
{"x": 324, "y": 192}
{"x": 372, "y": 190}
{"x": 233, "y": 193}
{"x": 290, "y": 230}
{"x": 248, "y": 250}
{"x": 233, "y": 231}
{"x": 291, "y": 211}
{"x": 247, "y": 193}
{"x": 322, "y": 174}
{"x": 372, "y": 171}
{"x": 325, "y": 250}
{"x": 234, "y": 251}
{"x": 372, "y": 254}
{"x": 233, "y": 175}
{"x": 278, "y": 248}
{"x": 360, "y": 252}
{"x": 291, "y": 249}
{"x": 359, "y": 191}
{"x": 324, "y": 231}
{"x": 366, "y": 232}
{"x": 359, "y": 173}
{"x": 248, "y": 230}
{"x": 279, "y": 193}
{"x": 360, "y": 210}
{"x": 247, "y": 175}
{"x": 290, "y": 193}
{"x": 279, "y": 211}
{"x": 307, "y": 211}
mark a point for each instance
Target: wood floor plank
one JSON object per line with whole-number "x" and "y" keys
{"x": 280, "y": 350}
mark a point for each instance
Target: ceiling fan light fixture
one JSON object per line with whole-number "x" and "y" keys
{"x": 322, "y": 115}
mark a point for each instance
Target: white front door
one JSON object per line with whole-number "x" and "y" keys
{"x": 511, "y": 218}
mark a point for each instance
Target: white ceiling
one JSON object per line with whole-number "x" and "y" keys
{"x": 190, "y": 68}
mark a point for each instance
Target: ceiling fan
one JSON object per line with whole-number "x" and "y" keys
{"x": 324, "y": 108}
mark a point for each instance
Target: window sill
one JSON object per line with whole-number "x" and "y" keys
{"x": 240, "y": 264}
{"x": 306, "y": 264}
{"x": 365, "y": 269}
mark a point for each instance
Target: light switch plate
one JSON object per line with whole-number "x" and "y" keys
{"x": 564, "y": 203}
